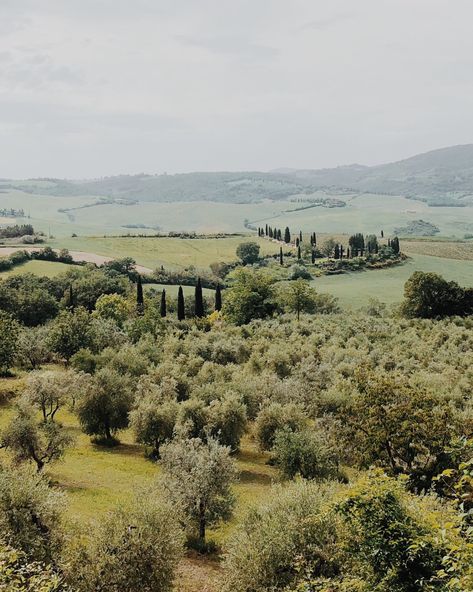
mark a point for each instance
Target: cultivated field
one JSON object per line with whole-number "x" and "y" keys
{"x": 367, "y": 213}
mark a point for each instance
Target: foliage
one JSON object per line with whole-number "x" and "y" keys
{"x": 198, "y": 477}
{"x": 153, "y": 421}
{"x": 30, "y": 513}
{"x": 428, "y": 295}
{"x": 135, "y": 548}
{"x": 103, "y": 408}
{"x": 248, "y": 252}
{"x": 276, "y": 417}
{"x": 28, "y": 440}
{"x": 250, "y": 297}
{"x": 70, "y": 332}
{"x": 9, "y": 331}
{"x": 306, "y": 453}
{"x": 299, "y": 297}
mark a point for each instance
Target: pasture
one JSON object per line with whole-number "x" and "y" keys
{"x": 368, "y": 213}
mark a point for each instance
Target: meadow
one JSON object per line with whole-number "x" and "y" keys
{"x": 367, "y": 213}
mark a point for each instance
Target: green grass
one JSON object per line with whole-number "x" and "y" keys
{"x": 354, "y": 289}
{"x": 366, "y": 213}
{"x": 95, "y": 478}
{"x": 153, "y": 252}
{"x": 43, "y": 268}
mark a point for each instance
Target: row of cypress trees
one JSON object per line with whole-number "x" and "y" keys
{"x": 199, "y": 311}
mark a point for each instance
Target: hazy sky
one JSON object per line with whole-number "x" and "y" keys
{"x": 99, "y": 87}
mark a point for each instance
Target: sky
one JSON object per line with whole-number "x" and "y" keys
{"x": 91, "y": 88}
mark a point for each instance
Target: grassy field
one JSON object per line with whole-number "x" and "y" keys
{"x": 172, "y": 290}
{"x": 46, "y": 268}
{"x": 387, "y": 285}
{"x": 366, "y": 213}
{"x": 171, "y": 252}
{"x": 95, "y": 478}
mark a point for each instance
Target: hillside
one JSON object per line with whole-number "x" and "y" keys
{"x": 440, "y": 177}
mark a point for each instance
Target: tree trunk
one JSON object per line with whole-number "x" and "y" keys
{"x": 202, "y": 522}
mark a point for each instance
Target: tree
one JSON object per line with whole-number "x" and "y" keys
{"x": 30, "y": 513}
{"x": 328, "y": 247}
{"x": 40, "y": 443}
{"x": 248, "y": 252}
{"x": 226, "y": 420}
{"x": 199, "y": 301}
{"x": 336, "y": 253}
{"x": 162, "y": 306}
{"x": 9, "y": 331}
{"x": 299, "y": 297}
{"x": 300, "y": 236}
{"x": 140, "y": 303}
{"x": 428, "y": 295}
{"x": 281, "y": 259}
{"x": 49, "y": 391}
{"x": 70, "y": 299}
{"x": 153, "y": 422}
{"x": 113, "y": 307}
{"x": 35, "y": 306}
{"x": 287, "y": 235}
{"x": 70, "y": 332}
{"x": 250, "y": 297}
{"x": 276, "y": 417}
{"x": 136, "y": 548}
{"x": 32, "y": 347}
{"x": 181, "y": 311}
{"x": 395, "y": 245}
{"x": 372, "y": 243}
{"x": 218, "y": 298}
{"x": 305, "y": 453}
{"x": 198, "y": 477}
{"x": 103, "y": 408}
{"x": 402, "y": 428}
{"x": 299, "y": 255}
{"x": 357, "y": 243}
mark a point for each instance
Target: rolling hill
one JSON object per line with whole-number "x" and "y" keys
{"x": 441, "y": 177}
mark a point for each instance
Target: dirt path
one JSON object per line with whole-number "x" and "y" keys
{"x": 198, "y": 574}
{"x": 76, "y": 256}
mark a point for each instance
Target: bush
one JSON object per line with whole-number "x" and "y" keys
{"x": 304, "y": 453}
{"x": 276, "y": 417}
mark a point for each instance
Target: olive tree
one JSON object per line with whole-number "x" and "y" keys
{"x": 153, "y": 422}
{"x": 135, "y": 548}
{"x": 198, "y": 477}
{"x": 28, "y": 440}
{"x": 248, "y": 252}
{"x": 49, "y": 391}
{"x": 299, "y": 297}
{"x": 103, "y": 408}
{"x": 30, "y": 513}
{"x": 276, "y": 417}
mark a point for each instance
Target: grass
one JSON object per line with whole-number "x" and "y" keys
{"x": 171, "y": 290}
{"x": 43, "y": 268}
{"x": 95, "y": 479}
{"x": 174, "y": 253}
{"x": 387, "y": 285}
{"x": 366, "y": 213}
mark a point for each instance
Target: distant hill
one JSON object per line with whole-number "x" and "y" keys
{"x": 440, "y": 177}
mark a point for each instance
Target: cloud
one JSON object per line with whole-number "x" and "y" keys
{"x": 230, "y": 45}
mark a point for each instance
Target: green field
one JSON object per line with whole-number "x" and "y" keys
{"x": 171, "y": 290}
{"x": 171, "y": 252}
{"x": 366, "y": 213}
{"x": 45, "y": 268}
{"x": 387, "y": 285}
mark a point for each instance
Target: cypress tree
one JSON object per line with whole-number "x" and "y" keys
{"x": 348, "y": 253}
{"x": 341, "y": 251}
{"x": 199, "y": 301}
{"x": 297, "y": 242}
{"x": 279, "y": 235}
{"x": 337, "y": 252}
{"x": 313, "y": 256}
{"x": 281, "y": 260}
{"x": 181, "y": 313}
{"x": 162, "y": 308}
{"x": 315, "y": 240}
{"x": 140, "y": 303}
{"x": 300, "y": 236}
{"x": 299, "y": 255}
{"x": 287, "y": 235}
{"x": 70, "y": 303}
{"x": 270, "y": 232}
{"x": 218, "y": 298}
{"x": 266, "y": 230}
